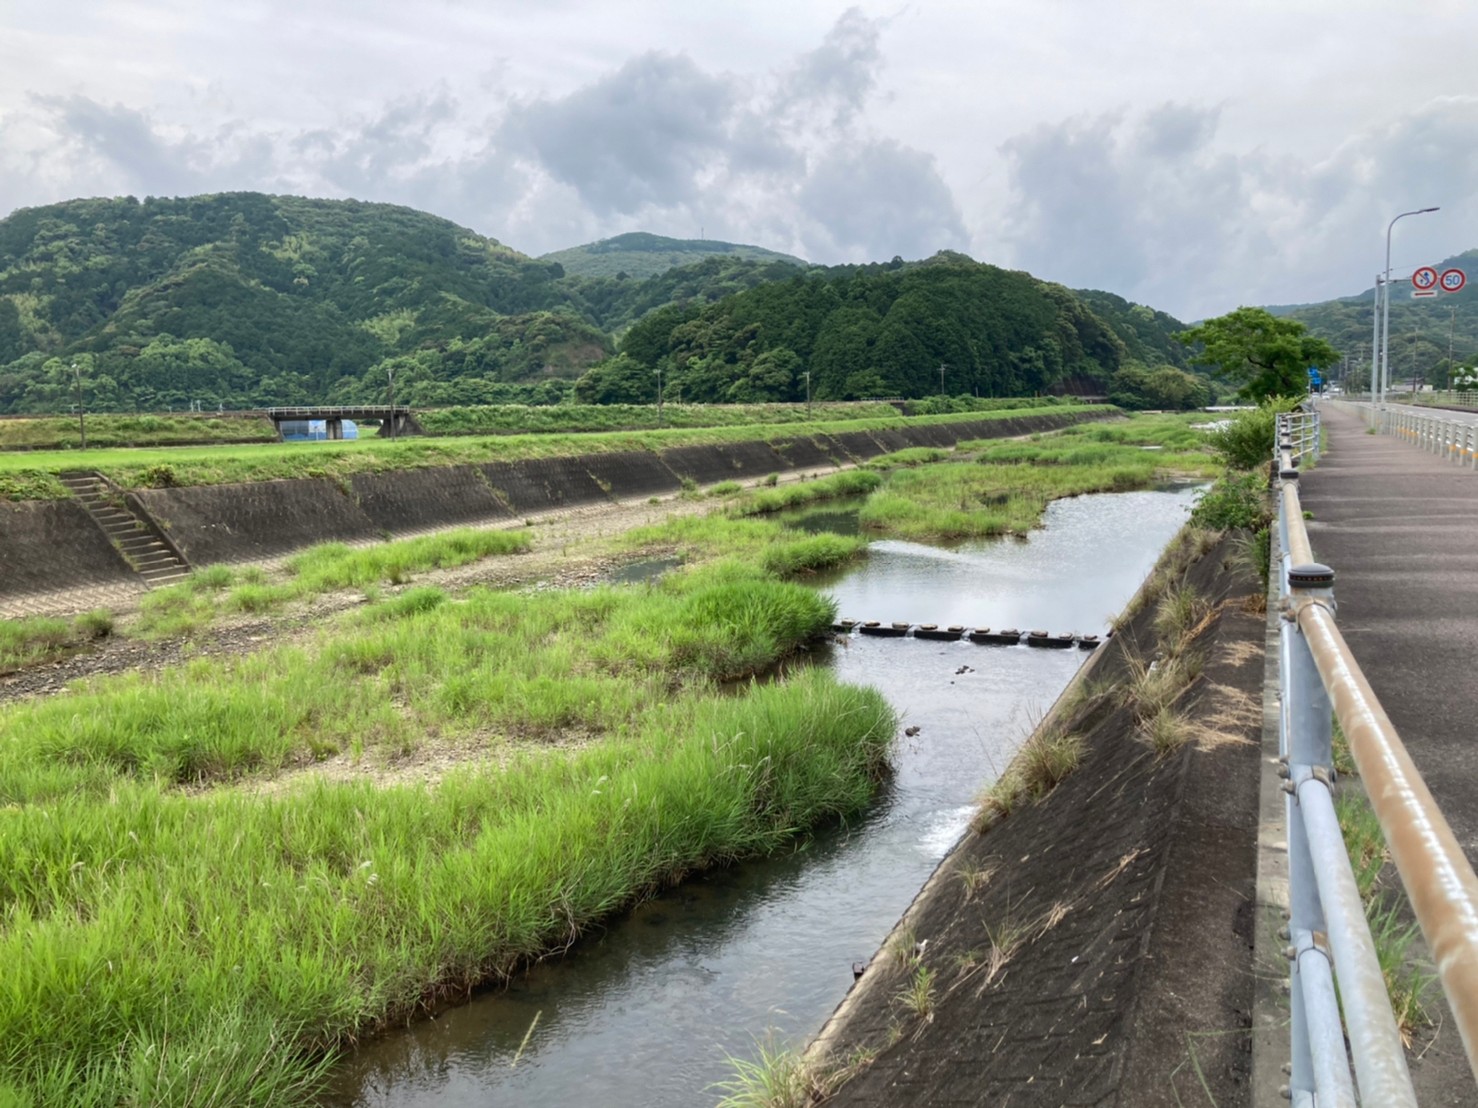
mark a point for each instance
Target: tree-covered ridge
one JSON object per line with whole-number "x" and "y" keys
{"x": 243, "y": 299}
{"x": 1420, "y": 328}
{"x": 640, "y": 255}
{"x": 867, "y": 331}
{"x": 246, "y": 300}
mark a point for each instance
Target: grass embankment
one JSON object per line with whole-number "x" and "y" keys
{"x": 62, "y": 432}
{"x": 195, "y": 602}
{"x": 1007, "y": 486}
{"x": 210, "y": 944}
{"x": 32, "y": 475}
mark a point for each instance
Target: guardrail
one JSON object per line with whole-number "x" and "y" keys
{"x": 1327, "y": 931}
{"x": 1455, "y": 439}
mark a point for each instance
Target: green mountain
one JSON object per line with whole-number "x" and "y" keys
{"x": 883, "y": 330}
{"x": 640, "y": 255}
{"x": 242, "y": 299}
{"x": 246, "y": 300}
{"x": 1420, "y": 329}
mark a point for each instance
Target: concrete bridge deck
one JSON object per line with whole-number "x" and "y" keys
{"x": 1400, "y": 528}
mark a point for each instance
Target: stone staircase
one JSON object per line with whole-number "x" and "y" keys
{"x": 133, "y": 534}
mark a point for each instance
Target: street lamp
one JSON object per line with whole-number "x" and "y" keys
{"x": 81, "y": 421}
{"x": 1385, "y": 329}
{"x": 390, "y": 375}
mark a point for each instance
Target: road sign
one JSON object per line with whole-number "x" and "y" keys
{"x": 1453, "y": 280}
{"x": 1424, "y": 278}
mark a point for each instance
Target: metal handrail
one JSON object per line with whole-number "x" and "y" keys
{"x": 1318, "y": 672}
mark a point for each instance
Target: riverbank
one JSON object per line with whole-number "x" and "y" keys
{"x": 1094, "y": 944}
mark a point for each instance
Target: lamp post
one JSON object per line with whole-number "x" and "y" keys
{"x": 390, "y": 376}
{"x": 1385, "y": 327}
{"x": 81, "y": 420}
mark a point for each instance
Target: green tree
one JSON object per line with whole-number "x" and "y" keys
{"x": 1260, "y": 353}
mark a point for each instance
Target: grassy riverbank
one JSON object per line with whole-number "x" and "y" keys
{"x": 33, "y": 474}
{"x": 190, "y": 920}
{"x": 1006, "y": 486}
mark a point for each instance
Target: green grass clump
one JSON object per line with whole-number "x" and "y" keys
{"x": 726, "y": 488}
{"x": 911, "y": 456}
{"x": 223, "y": 942}
{"x": 849, "y": 483}
{"x": 25, "y": 642}
{"x": 813, "y": 553}
{"x": 335, "y": 566}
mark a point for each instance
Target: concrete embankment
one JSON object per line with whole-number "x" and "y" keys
{"x": 53, "y": 546}
{"x": 1094, "y": 946}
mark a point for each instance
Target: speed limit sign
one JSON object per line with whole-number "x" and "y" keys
{"x": 1453, "y": 280}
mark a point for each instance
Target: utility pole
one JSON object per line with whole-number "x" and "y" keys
{"x": 1451, "y": 326}
{"x": 808, "y": 394}
{"x": 81, "y": 419}
{"x": 390, "y": 375}
{"x": 659, "y": 396}
{"x": 941, "y": 378}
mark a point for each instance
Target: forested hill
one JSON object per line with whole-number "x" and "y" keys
{"x": 640, "y": 255}
{"x": 246, "y": 300}
{"x": 885, "y": 330}
{"x": 243, "y": 299}
{"x": 1420, "y": 329}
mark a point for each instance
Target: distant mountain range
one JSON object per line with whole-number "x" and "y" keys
{"x": 640, "y": 255}
{"x": 244, "y": 300}
{"x": 1420, "y": 329}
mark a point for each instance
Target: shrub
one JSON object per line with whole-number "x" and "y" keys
{"x": 1237, "y": 500}
{"x": 1246, "y": 442}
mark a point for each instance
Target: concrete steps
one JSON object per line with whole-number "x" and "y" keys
{"x": 132, "y": 535}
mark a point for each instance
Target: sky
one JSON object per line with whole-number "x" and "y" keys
{"x": 1190, "y": 155}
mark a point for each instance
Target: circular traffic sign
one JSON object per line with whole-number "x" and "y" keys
{"x": 1424, "y": 278}
{"x": 1453, "y": 279}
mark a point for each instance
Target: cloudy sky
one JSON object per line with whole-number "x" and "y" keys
{"x": 1186, "y": 154}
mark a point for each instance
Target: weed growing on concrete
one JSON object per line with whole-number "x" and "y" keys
{"x": 917, "y": 996}
{"x": 1168, "y": 731}
{"x": 975, "y": 878}
{"x": 1406, "y": 983}
{"x": 1044, "y": 760}
{"x": 726, "y": 488}
{"x": 1363, "y": 840}
{"x": 903, "y": 947}
{"x": 1179, "y": 616}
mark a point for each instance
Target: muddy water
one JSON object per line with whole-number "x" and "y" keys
{"x": 645, "y": 1011}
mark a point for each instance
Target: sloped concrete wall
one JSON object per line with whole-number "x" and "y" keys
{"x": 632, "y": 474}
{"x": 47, "y": 545}
{"x": 445, "y": 496}
{"x": 261, "y": 519}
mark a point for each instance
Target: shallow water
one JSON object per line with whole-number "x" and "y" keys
{"x": 645, "y": 1011}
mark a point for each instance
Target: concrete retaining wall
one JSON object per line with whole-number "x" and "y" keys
{"x": 53, "y": 545}
{"x": 49, "y": 545}
{"x": 445, "y": 496}
{"x": 263, "y": 519}
{"x": 632, "y": 474}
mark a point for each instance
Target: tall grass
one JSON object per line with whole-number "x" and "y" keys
{"x": 207, "y": 949}
{"x": 194, "y": 603}
{"x": 1007, "y": 486}
{"x": 853, "y": 482}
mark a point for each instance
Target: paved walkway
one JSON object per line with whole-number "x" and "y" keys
{"x": 1400, "y": 528}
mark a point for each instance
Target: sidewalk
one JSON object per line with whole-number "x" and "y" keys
{"x": 1400, "y": 529}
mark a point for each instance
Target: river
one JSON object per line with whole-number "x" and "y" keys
{"x": 647, "y": 1010}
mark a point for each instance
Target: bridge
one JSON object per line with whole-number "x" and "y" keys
{"x": 394, "y": 419}
{"x": 1393, "y": 509}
